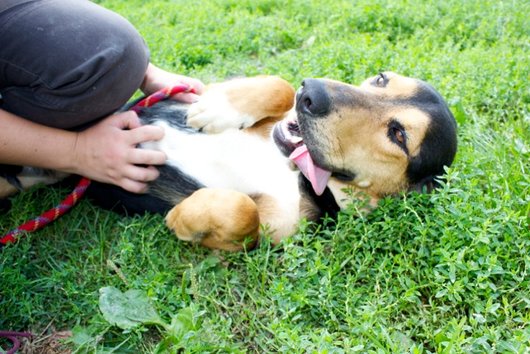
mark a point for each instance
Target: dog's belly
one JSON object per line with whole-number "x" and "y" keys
{"x": 232, "y": 159}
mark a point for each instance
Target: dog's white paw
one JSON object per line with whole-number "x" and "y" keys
{"x": 213, "y": 113}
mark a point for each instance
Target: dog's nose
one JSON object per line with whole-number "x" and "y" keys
{"x": 313, "y": 98}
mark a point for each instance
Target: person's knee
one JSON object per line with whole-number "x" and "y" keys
{"x": 84, "y": 63}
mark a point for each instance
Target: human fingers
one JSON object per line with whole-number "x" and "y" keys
{"x": 141, "y": 174}
{"x": 126, "y": 120}
{"x": 186, "y": 97}
{"x": 145, "y": 133}
{"x": 133, "y": 186}
{"x": 139, "y": 156}
{"x": 196, "y": 84}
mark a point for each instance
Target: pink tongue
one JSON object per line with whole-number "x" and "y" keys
{"x": 316, "y": 175}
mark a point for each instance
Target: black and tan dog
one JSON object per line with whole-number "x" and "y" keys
{"x": 244, "y": 156}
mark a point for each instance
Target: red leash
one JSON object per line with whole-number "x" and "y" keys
{"x": 50, "y": 215}
{"x": 14, "y": 338}
{"x": 78, "y": 192}
{"x": 161, "y": 95}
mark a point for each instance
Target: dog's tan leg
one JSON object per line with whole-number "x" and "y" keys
{"x": 240, "y": 103}
{"x": 216, "y": 218}
{"x": 30, "y": 177}
{"x": 6, "y": 189}
{"x": 279, "y": 220}
{"x": 261, "y": 96}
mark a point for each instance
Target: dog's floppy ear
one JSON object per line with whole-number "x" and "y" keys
{"x": 426, "y": 184}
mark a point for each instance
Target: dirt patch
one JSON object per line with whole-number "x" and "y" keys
{"x": 46, "y": 343}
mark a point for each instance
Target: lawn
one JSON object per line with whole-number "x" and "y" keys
{"x": 441, "y": 273}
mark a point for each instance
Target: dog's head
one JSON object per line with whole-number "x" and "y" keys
{"x": 388, "y": 135}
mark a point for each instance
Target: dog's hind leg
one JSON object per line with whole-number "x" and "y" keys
{"x": 26, "y": 177}
{"x": 6, "y": 188}
{"x": 216, "y": 218}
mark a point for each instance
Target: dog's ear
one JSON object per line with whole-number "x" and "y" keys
{"x": 426, "y": 184}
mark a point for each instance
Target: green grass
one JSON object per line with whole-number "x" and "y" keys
{"x": 440, "y": 273}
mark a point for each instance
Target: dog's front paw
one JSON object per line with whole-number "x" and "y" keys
{"x": 213, "y": 113}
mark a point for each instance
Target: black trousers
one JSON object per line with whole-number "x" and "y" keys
{"x": 67, "y": 63}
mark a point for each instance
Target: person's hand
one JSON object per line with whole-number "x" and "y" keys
{"x": 108, "y": 152}
{"x": 156, "y": 79}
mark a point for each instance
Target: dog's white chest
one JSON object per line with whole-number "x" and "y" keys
{"x": 232, "y": 160}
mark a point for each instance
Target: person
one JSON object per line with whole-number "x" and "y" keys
{"x": 66, "y": 67}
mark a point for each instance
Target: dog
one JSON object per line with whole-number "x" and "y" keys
{"x": 253, "y": 151}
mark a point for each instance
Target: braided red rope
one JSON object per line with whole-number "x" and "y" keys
{"x": 78, "y": 192}
{"x": 50, "y": 215}
{"x": 161, "y": 95}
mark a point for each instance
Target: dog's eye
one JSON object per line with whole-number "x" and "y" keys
{"x": 381, "y": 80}
{"x": 343, "y": 177}
{"x": 398, "y": 135}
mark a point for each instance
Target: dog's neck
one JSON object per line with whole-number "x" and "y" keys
{"x": 314, "y": 207}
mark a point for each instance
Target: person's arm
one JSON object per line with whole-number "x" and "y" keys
{"x": 105, "y": 152}
{"x": 156, "y": 79}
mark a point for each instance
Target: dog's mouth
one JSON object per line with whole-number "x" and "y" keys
{"x": 289, "y": 139}
{"x": 287, "y": 136}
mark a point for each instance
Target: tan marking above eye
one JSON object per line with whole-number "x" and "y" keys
{"x": 394, "y": 85}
